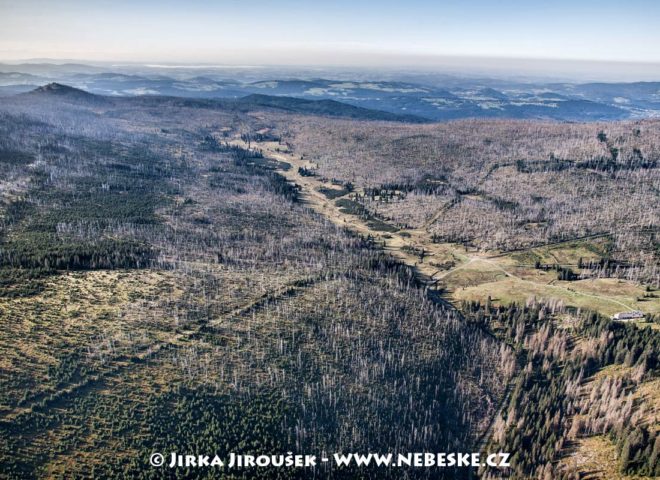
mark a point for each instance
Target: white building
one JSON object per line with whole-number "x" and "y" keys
{"x": 631, "y": 315}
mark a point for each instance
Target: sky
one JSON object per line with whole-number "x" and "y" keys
{"x": 331, "y": 33}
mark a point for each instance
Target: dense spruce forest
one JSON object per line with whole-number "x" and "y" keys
{"x": 165, "y": 287}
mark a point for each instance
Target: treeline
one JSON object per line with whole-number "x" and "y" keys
{"x": 602, "y": 164}
{"x": 563, "y": 273}
{"x": 210, "y": 143}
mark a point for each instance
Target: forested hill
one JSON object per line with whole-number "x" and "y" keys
{"x": 330, "y": 108}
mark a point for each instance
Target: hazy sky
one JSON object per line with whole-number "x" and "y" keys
{"x": 333, "y": 32}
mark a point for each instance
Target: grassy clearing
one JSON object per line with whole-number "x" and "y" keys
{"x": 505, "y": 280}
{"x": 506, "y": 290}
{"x": 595, "y": 458}
{"x": 567, "y": 253}
{"x": 76, "y": 326}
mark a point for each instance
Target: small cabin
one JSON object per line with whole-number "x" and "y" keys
{"x": 625, "y": 316}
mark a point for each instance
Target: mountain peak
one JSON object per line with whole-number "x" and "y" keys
{"x": 67, "y": 93}
{"x": 60, "y": 89}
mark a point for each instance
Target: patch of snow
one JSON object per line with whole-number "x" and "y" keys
{"x": 141, "y": 91}
{"x": 197, "y": 87}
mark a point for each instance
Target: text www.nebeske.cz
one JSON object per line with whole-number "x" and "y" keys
{"x": 290, "y": 460}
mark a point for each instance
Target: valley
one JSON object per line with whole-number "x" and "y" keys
{"x": 473, "y": 275}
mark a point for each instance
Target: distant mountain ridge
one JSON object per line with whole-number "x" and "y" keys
{"x": 324, "y": 107}
{"x": 329, "y": 108}
{"x": 430, "y": 97}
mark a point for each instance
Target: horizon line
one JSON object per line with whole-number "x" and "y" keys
{"x": 220, "y": 64}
